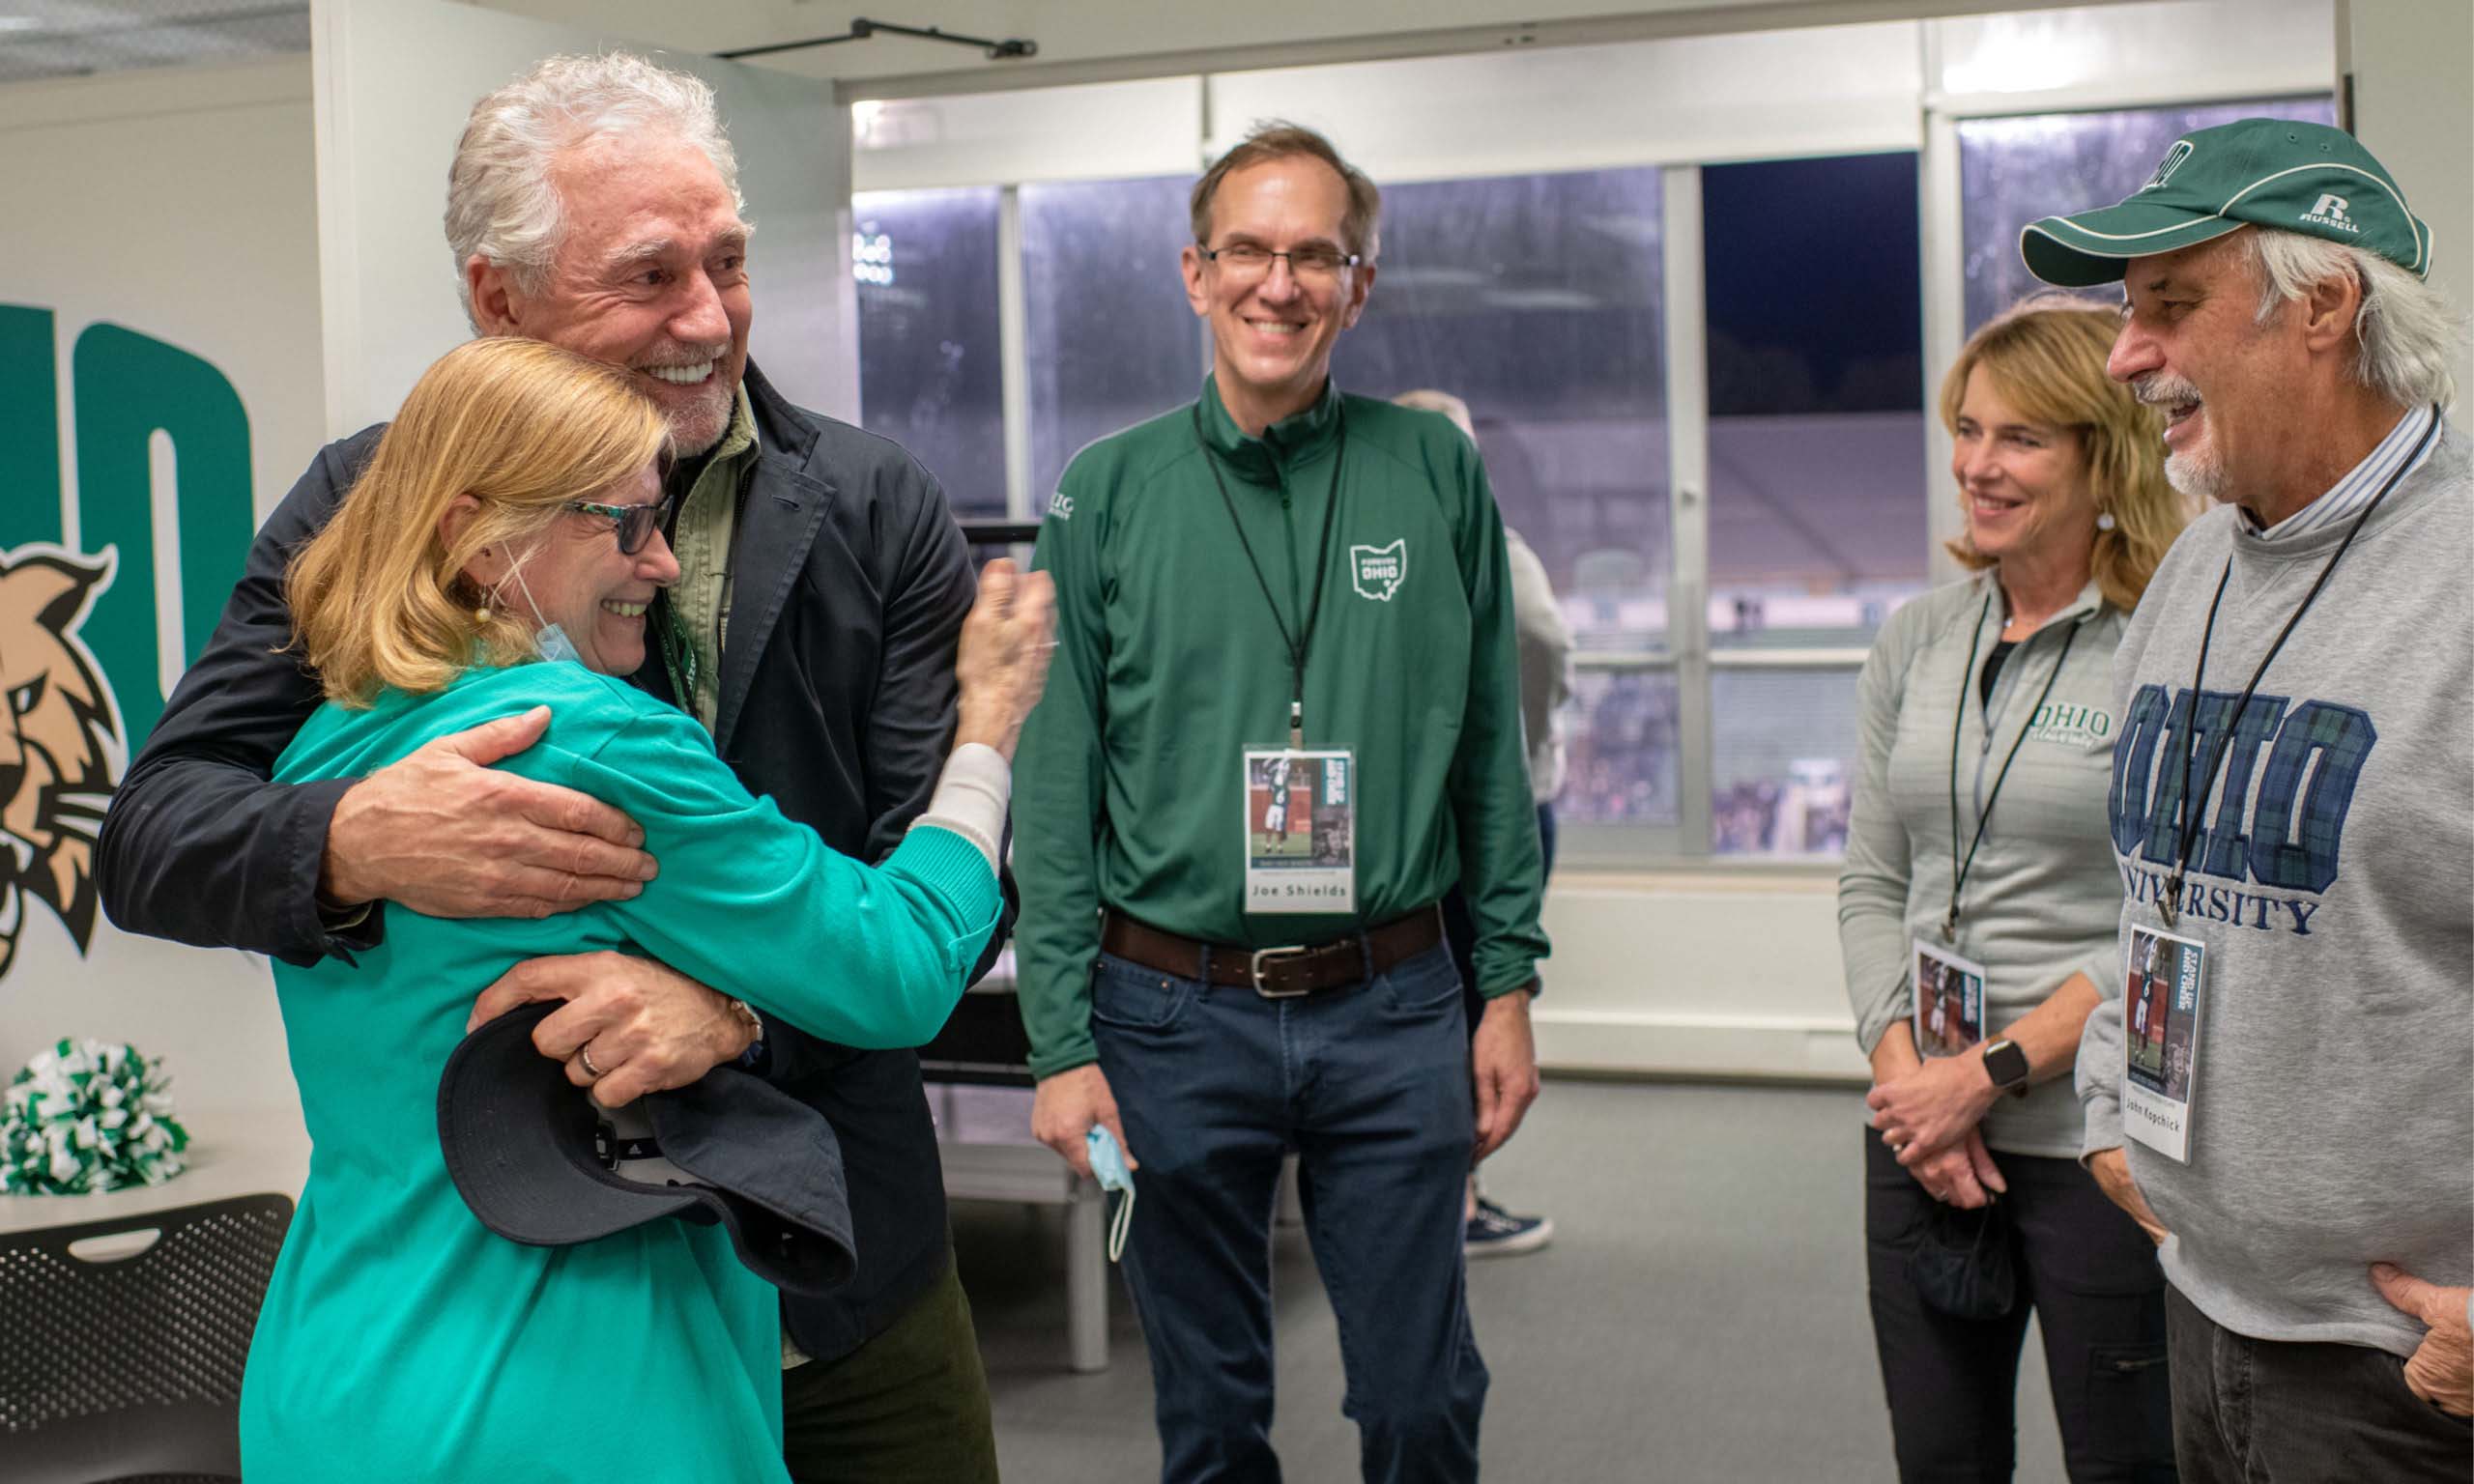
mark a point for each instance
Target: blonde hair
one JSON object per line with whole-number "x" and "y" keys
{"x": 2045, "y": 357}
{"x": 379, "y": 599}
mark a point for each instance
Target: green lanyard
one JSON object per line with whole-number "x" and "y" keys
{"x": 1304, "y": 639}
{"x": 678, "y": 654}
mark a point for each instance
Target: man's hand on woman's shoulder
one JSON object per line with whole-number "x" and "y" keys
{"x": 447, "y": 834}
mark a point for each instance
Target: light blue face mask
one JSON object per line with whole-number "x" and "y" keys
{"x": 550, "y": 639}
{"x": 1107, "y": 1165}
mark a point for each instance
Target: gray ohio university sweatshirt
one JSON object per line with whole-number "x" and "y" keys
{"x": 2332, "y": 1109}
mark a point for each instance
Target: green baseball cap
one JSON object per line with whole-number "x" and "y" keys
{"x": 2295, "y": 177}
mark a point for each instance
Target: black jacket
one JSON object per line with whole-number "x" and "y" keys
{"x": 837, "y": 699}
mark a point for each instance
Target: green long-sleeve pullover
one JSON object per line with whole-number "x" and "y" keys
{"x": 1169, "y": 665}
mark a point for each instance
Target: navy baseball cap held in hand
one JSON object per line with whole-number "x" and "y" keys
{"x": 540, "y": 1163}
{"x": 2306, "y": 178}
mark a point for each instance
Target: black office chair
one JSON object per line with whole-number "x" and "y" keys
{"x": 120, "y": 1358}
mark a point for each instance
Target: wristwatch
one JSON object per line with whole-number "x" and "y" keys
{"x": 2007, "y": 1066}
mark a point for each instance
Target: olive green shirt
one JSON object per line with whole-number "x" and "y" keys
{"x": 707, "y": 519}
{"x": 1129, "y": 793}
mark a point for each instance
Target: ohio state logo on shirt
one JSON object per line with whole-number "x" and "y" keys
{"x": 1377, "y": 571}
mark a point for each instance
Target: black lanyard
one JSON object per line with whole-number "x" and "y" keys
{"x": 1304, "y": 639}
{"x": 2193, "y": 808}
{"x": 1966, "y": 683}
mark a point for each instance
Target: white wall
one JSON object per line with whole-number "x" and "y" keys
{"x": 2413, "y": 107}
{"x": 179, "y": 205}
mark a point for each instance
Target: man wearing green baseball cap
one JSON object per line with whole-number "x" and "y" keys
{"x": 2292, "y": 797}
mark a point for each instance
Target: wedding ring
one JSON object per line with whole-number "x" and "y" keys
{"x": 583, "y": 1055}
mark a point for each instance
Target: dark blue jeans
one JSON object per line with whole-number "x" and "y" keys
{"x": 1370, "y": 1086}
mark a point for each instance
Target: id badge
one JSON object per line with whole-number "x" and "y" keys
{"x": 2163, "y": 992}
{"x": 1948, "y": 999}
{"x": 1299, "y": 831}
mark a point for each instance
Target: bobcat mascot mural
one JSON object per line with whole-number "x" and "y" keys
{"x": 60, "y": 740}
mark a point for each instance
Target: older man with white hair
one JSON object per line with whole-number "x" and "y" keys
{"x": 2292, "y": 811}
{"x": 593, "y": 204}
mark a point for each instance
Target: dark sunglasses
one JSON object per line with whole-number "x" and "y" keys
{"x": 635, "y": 523}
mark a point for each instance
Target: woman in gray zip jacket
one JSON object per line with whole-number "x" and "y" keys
{"x": 1978, "y": 856}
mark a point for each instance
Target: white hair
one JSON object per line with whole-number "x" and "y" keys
{"x": 501, "y": 204}
{"x": 2403, "y": 329}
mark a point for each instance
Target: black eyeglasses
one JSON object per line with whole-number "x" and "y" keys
{"x": 635, "y": 523}
{"x": 1253, "y": 260}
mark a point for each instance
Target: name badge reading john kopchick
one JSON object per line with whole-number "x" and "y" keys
{"x": 2162, "y": 995}
{"x": 1299, "y": 831}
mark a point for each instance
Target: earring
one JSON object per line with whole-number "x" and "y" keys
{"x": 2103, "y": 520}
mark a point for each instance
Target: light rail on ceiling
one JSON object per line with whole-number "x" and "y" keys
{"x": 862, "y": 28}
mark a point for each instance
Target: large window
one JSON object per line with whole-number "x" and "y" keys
{"x": 1620, "y": 762}
{"x": 930, "y": 374}
{"x": 1109, "y": 336}
{"x": 1816, "y": 398}
{"x": 1817, "y": 479}
{"x": 2014, "y": 170}
{"x": 1534, "y": 299}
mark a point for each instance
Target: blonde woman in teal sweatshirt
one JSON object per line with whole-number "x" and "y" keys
{"x": 501, "y": 552}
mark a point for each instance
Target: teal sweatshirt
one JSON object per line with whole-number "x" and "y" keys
{"x": 401, "y": 1339}
{"x": 1127, "y": 787}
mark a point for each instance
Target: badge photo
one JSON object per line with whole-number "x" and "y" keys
{"x": 2162, "y": 994}
{"x": 1948, "y": 999}
{"x": 1299, "y": 831}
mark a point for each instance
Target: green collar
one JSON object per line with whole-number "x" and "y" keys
{"x": 1285, "y": 444}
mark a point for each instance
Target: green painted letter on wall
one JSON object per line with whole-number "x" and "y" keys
{"x": 129, "y": 387}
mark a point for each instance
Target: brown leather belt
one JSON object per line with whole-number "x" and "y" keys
{"x": 1274, "y": 973}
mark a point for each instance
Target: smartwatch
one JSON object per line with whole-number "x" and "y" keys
{"x": 2006, "y": 1065}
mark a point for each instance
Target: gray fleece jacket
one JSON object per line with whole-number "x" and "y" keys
{"x": 2332, "y": 1116}
{"x": 2041, "y": 901}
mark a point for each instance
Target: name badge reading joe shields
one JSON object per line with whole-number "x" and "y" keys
{"x": 2162, "y": 995}
{"x": 1299, "y": 831}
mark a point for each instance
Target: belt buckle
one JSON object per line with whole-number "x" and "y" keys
{"x": 1294, "y": 950}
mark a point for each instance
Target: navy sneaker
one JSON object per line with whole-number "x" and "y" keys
{"x": 1494, "y": 1232}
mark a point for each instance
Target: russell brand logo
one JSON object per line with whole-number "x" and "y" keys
{"x": 2330, "y": 211}
{"x": 2173, "y": 161}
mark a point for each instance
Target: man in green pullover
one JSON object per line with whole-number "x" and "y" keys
{"x": 1284, "y": 720}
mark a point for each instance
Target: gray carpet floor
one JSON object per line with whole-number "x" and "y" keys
{"x": 1700, "y": 1315}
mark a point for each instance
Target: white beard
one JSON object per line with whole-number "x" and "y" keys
{"x": 2195, "y": 475}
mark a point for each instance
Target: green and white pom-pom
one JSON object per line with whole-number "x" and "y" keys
{"x": 85, "y": 1117}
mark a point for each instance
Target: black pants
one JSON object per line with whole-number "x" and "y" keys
{"x": 2260, "y": 1411}
{"x": 2091, "y": 1279}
